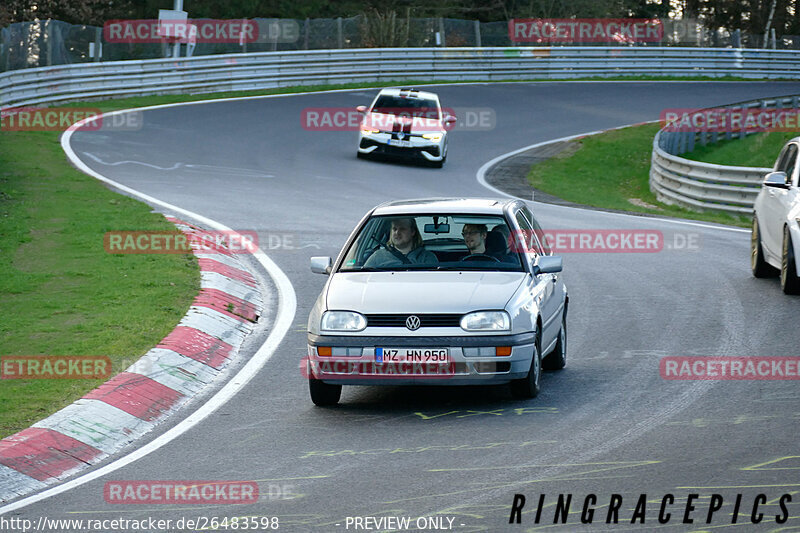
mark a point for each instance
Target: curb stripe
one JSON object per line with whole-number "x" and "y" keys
{"x": 197, "y": 345}
{"x": 178, "y": 372}
{"x": 226, "y": 303}
{"x": 137, "y": 395}
{"x": 97, "y": 423}
{"x": 214, "y": 280}
{"x": 210, "y": 265}
{"x": 16, "y": 484}
{"x": 216, "y": 324}
{"x": 44, "y": 454}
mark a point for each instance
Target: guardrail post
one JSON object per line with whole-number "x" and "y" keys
{"x": 339, "y": 32}
{"x": 477, "y": 33}
{"x": 305, "y": 38}
{"x": 441, "y": 30}
{"x": 98, "y": 44}
{"x": 736, "y": 39}
{"x": 48, "y": 36}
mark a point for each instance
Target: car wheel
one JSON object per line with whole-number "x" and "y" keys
{"x": 361, "y": 155}
{"x": 528, "y": 387}
{"x": 759, "y": 266}
{"x": 438, "y": 164}
{"x": 557, "y": 359}
{"x": 790, "y": 283}
{"x": 323, "y": 394}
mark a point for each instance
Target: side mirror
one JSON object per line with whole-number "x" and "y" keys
{"x": 321, "y": 265}
{"x": 548, "y": 264}
{"x": 776, "y": 179}
{"x": 362, "y": 109}
{"x": 449, "y": 120}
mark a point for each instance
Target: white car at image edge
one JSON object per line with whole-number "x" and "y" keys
{"x": 775, "y": 237}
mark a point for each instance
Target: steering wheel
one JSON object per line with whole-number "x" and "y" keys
{"x": 480, "y": 257}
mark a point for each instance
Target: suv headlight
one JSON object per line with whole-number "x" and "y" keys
{"x": 435, "y": 137}
{"x": 486, "y": 321}
{"x": 342, "y": 321}
{"x": 368, "y": 131}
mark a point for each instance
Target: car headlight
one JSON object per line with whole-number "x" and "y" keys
{"x": 486, "y": 321}
{"x": 435, "y": 137}
{"x": 342, "y": 321}
{"x": 369, "y": 131}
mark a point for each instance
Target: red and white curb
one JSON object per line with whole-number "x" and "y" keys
{"x": 133, "y": 402}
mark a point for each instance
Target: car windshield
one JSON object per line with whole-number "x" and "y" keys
{"x": 413, "y": 107}
{"x": 433, "y": 242}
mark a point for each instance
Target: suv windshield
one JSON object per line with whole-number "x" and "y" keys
{"x": 433, "y": 242}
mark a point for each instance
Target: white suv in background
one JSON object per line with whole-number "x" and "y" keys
{"x": 405, "y": 123}
{"x": 775, "y": 238}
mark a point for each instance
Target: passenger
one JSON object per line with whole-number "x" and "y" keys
{"x": 475, "y": 238}
{"x": 404, "y": 247}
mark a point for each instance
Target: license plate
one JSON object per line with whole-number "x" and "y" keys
{"x": 401, "y": 144}
{"x": 411, "y": 355}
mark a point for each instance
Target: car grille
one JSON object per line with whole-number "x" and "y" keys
{"x": 425, "y": 320}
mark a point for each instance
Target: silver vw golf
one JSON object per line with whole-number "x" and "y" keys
{"x": 439, "y": 292}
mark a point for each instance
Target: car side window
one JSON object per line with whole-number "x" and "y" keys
{"x": 538, "y": 232}
{"x": 788, "y": 161}
{"x": 531, "y": 243}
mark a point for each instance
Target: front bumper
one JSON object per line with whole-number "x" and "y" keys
{"x": 469, "y": 363}
{"x": 378, "y": 144}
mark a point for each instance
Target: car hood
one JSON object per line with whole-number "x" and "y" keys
{"x": 421, "y": 292}
{"x": 389, "y": 122}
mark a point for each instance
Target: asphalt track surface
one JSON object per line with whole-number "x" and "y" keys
{"x": 607, "y": 424}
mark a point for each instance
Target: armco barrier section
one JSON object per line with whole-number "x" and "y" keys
{"x": 704, "y": 186}
{"x": 236, "y": 72}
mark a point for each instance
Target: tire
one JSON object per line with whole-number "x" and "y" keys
{"x": 529, "y": 386}
{"x": 557, "y": 359}
{"x": 439, "y": 164}
{"x": 323, "y": 394}
{"x": 361, "y": 155}
{"x": 759, "y": 266}
{"x": 790, "y": 283}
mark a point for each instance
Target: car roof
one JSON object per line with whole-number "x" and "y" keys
{"x": 477, "y": 206}
{"x": 410, "y": 93}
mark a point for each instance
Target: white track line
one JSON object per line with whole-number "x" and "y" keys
{"x": 481, "y": 176}
{"x": 287, "y": 306}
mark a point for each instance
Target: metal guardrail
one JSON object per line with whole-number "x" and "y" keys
{"x": 705, "y": 186}
{"x": 235, "y": 72}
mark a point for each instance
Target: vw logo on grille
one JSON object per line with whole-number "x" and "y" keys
{"x": 401, "y": 136}
{"x": 412, "y": 322}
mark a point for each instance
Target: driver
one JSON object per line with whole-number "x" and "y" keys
{"x": 403, "y": 247}
{"x": 475, "y": 238}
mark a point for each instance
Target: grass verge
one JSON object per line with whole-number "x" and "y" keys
{"x": 757, "y": 150}
{"x": 61, "y": 293}
{"x": 611, "y": 170}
